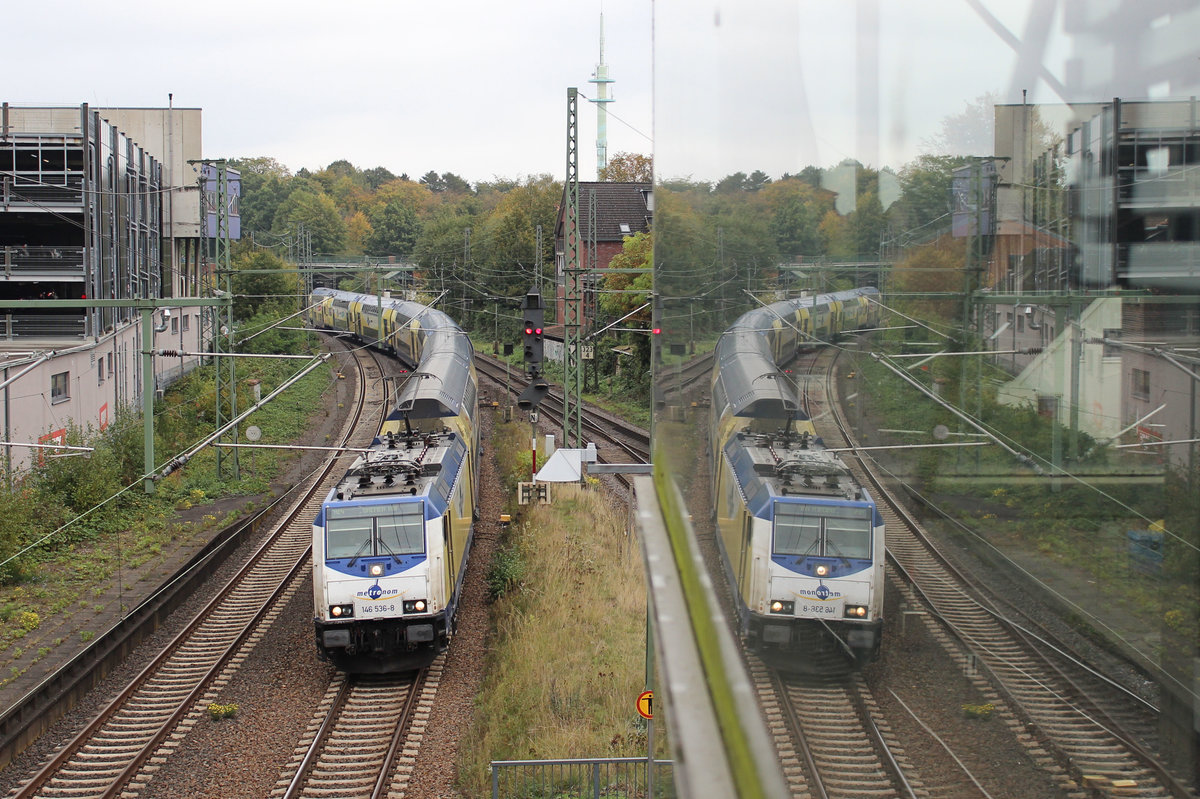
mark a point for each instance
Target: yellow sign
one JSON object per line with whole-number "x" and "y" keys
{"x": 645, "y": 704}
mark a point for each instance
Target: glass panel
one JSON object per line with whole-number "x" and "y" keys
{"x": 848, "y": 532}
{"x": 797, "y": 530}
{"x": 1018, "y": 181}
{"x": 401, "y": 528}
{"x": 348, "y": 532}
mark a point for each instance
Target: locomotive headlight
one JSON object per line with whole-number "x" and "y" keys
{"x": 784, "y": 607}
{"x": 855, "y": 612}
{"x": 822, "y": 570}
{"x": 414, "y": 605}
{"x": 375, "y": 570}
{"x": 341, "y": 611}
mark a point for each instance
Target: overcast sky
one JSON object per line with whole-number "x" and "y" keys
{"x": 478, "y": 87}
{"x": 474, "y": 87}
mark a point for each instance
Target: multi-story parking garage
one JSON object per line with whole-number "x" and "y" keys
{"x": 91, "y": 210}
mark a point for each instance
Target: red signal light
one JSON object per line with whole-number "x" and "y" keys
{"x": 657, "y": 330}
{"x": 538, "y": 331}
{"x": 528, "y": 331}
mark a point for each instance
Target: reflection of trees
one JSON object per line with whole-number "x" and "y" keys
{"x": 935, "y": 268}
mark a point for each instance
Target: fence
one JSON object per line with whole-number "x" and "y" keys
{"x": 583, "y": 778}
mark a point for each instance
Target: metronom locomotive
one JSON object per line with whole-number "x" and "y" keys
{"x": 800, "y": 539}
{"x": 392, "y": 538}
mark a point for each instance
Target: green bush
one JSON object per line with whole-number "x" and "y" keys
{"x": 506, "y": 571}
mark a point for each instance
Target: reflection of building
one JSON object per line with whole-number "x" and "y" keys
{"x": 1105, "y": 196}
{"x": 1135, "y": 190}
{"x": 621, "y": 210}
{"x": 87, "y": 212}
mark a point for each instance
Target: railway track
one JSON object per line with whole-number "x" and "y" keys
{"x": 1056, "y": 696}
{"x": 364, "y": 738}
{"x": 632, "y": 442}
{"x": 119, "y": 751}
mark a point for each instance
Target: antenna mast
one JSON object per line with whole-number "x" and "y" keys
{"x": 601, "y": 79}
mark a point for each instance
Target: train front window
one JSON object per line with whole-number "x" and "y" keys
{"x": 401, "y": 528}
{"x": 832, "y": 531}
{"x": 797, "y": 530}
{"x": 358, "y": 531}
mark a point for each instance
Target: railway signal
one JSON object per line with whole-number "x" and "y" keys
{"x": 534, "y": 315}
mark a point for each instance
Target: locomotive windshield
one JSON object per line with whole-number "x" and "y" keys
{"x": 834, "y": 531}
{"x": 357, "y": 531}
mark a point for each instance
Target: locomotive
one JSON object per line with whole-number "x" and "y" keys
{"x": 392, "y": 538}
{"x": 800, "y": 539}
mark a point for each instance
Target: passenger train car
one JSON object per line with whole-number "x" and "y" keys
{"x": 801, "y": 540}
{"x": 391, "y": 541}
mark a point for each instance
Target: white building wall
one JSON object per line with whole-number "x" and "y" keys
{"x": 1049, "y": 375}
{"x": 31, "y": 414}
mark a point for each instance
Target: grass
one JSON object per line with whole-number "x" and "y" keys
{"x": 77, "y": 566}
{"x": 566, "y": 661}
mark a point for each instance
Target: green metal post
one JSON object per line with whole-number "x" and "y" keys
{"x": 572, "y": 271}
{"x": 148, "y": 397}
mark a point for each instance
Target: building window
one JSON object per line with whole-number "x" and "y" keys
{"x": 174, "y": 324}
{"x": 110, "y": 368}
{"x": 1141, "y": 384}
{"x": 1047, "y": 406}
{"x": 100, "y": 372}
{"x": 1111, "y": 350}
{"x": 60, "y": 387}
{"x": 187, "y": 320}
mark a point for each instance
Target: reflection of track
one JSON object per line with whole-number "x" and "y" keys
{"x": 687, "y": 377}
{"x": 846, "y": 750}
{"x": 617, "y": 440}
{"x": 1067, "y": 715}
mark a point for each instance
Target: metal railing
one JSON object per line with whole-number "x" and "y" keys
{"x": 38, "y": 261}
{"x": 582, "y": 778}
{"x": 41, "y": 325}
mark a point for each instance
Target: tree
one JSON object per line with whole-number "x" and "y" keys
{"x": 795, "y": 208}
{"x": 358, "y": 229}
{"x": 319, "y": 217}
{"x": 757, "y": 180}
{"x": 969, "y": 132}
{"x": 433, "y": 181}
{"x": 637, "y": 252}
{"x": 933, "y": 268}
{"x": 923, "y": 210}
{"x": 731, "y": 184}
{"x": 508, "y": 246}
{"x": 626, "y": 167}
{"x": 376, "y": 177}
{"x": 454, "y": 184}
{"x": 615, "y": 301}
{"x": 261, "y": 285}
{"x": 394, "y": 229}
{"x": 265, "y": 184}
